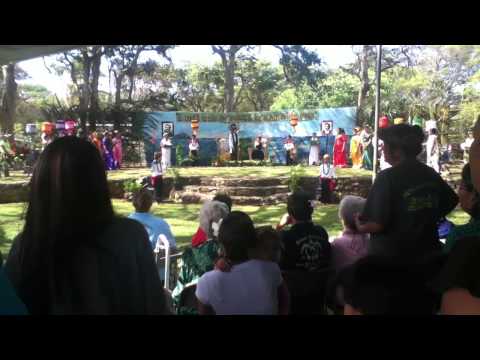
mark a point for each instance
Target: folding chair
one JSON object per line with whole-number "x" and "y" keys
{"x": 307, "y": 291}
{"x": 163, "y": 245}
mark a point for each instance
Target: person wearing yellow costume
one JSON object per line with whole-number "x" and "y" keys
{"x": 356, "y": 152}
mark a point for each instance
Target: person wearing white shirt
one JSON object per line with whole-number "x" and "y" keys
{"x": 290, "y": 150}
{"x": 157, "y": 176}
{"x": 465, "y": 146}
{"x": 383, "y": 163}
{"x": 194, "y": 147}
{"x": 433, "y": 151}
{"x": 327, "y": 180}
{"x": 166, "y": 146}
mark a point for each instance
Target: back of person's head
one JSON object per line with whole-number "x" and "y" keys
{"x": 142, "y": 200}
{"x": 405, "y": 138}
{"x": 349, "y": 206}
{"x": 467, "y": 185}
{"x": 237, "y": 236}
{"x": 224, "y": 198}
{"x": 269, "y": 246}
{"x": 69, "y": 202}
{"x": 210, "y": 215}
{"x": 299, "y": 206}
{"x": 377, "y": 285}
{"x": 341, "y": 131}
{"x": 157, "y": 155}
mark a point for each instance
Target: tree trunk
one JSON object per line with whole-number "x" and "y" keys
{"x": 7, "y": 114}
{"x": 364, "y": 84}
{"x": 229, "y": 93}
{"x": 95, "y": 75}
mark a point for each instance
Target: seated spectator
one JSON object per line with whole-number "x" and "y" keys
{"x": 377, "y": 285}
{"x": 268, "y": 246}
{"x": 350, "y": 245}
{"x": 458, "y": 282}
{"x": 74, "y": 256}
{"x": 305, "y": 245}
{"x": 470, "y": 203}
{"x": 406, "y": 201}
{"x": 198, "y": 260}
{"x": 200, "y": 236}
{"x": 250, "y": 286}
{"x": 142, "y": 201}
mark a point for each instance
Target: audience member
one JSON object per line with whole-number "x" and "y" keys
{"x": 305, "y": 245}
{"x": 350, "y": 245}
{"x": 406, "y": 201}
{"x": 200, "y": 236}
{"x": 376, "y": 285}
{"x": 74, "y": 256}
{"x": 458, "y": 282}
{"x": 250, "y": 286}
{"x": 470, "y": 203}
{"x": 155, "y": 226}
{"x": 198, "y": 260}
{"x": 268, "y": 246}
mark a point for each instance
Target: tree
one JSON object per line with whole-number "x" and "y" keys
{"x": 301, "y": 65}
{"x": 123, "y": 64}
{"x": 262, "y": 83}
{"x": 9, "y": 96}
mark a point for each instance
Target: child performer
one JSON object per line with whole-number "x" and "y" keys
{"x": 327, "y": 180}
{"x": 157, "y": 176}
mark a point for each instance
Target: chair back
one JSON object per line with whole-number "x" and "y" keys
{"x": 307, "y": 290}
{"x": 163, "y": 245}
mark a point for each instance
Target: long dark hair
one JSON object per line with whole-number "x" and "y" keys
{"x": 69, "y": 204}
{"x": 237, "y": 235}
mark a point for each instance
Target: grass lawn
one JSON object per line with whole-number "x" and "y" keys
{"x": 247, "y": 171}
{"x": 184, "y": 218}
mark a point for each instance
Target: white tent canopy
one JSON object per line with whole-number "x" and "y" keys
{"x": 17, "y": 53}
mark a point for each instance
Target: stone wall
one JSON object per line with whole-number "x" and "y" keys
{"x": 359, "y": 186}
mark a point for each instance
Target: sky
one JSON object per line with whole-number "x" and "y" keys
{"x": 333, "y": 55}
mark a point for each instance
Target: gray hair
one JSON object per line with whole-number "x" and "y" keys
{"x": 212, "y": 211}
{"x": 349, "y": 206}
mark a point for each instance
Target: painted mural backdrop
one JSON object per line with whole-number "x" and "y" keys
{"x": 273, "y": 125}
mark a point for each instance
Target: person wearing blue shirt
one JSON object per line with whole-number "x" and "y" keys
{"x": 142, "y": 201}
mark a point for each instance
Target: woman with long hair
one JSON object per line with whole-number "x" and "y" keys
{"x": 356, "y": 152}
{"x": 74, "y": 256}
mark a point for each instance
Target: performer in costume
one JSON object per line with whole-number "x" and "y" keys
{"x": 313, "y": 158}
{"x": 108, "y": 151}
{"x": 157, "y": 176}
{"x": 327, "y": 180}
{"x": 433, "y": 151}
{"x": 356, "y": 151}
{"x": 194, "y": 147}
{"x": 367, "y": 161}
{"x": 166, "y": 147}
{"x": 258, "y": 153}
{"x": 339, "y": 149}
{"x": 290, "y": 150}
{"x": 96, "y": 139}
{"x": 465, "y": 146}
{"x": 118, "y": 150}
{"x": 233, "y": 142}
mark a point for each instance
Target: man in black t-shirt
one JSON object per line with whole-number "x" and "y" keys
{"x": 305, "y": 245}
{"x": 406, "y": 201}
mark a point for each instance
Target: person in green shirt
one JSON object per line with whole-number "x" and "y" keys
{"x": 469, "y": 200}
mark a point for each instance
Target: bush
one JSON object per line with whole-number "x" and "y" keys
{"x": 131, "y": 186}
{"x": 179, "y": 154}
{"x": 296, "y": 173}
{"x": 187, "y": 162}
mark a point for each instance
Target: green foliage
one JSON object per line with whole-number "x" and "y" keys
{"x": 179, "y": 154}
{"x": 131, "y": 186}
{"x": 295, "y": 175}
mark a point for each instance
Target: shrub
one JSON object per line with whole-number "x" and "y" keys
{"x": 131, "y": 186}
{"x": 296, "y": 173}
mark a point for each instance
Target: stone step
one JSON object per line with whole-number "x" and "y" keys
{"x": 196, "y": 198}
{"x": 243, "y": 182}
{"x": 238, "y": 191}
